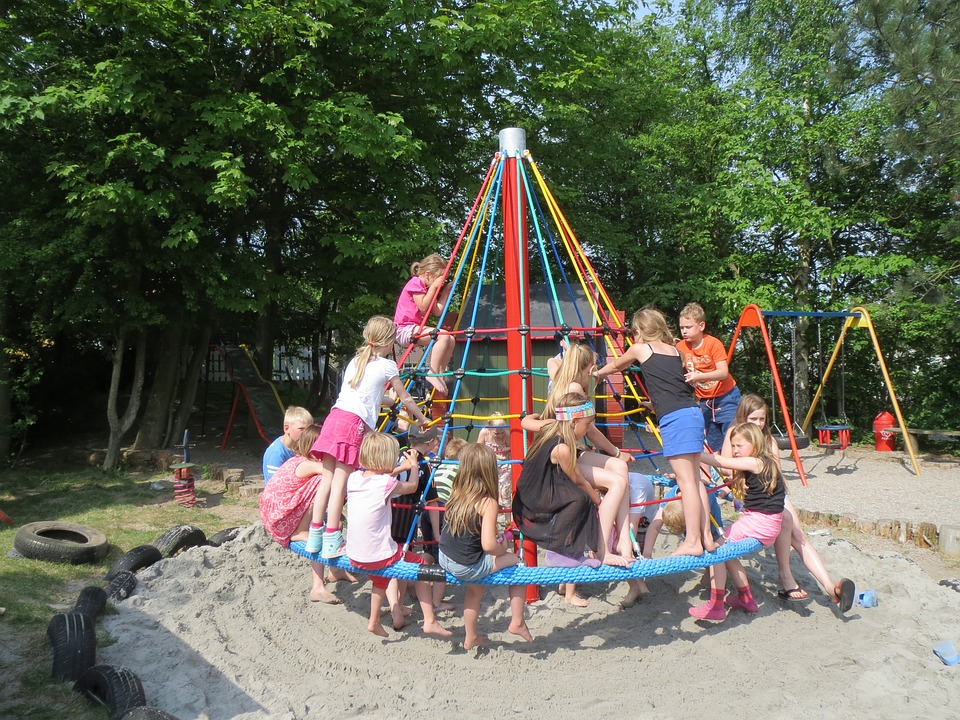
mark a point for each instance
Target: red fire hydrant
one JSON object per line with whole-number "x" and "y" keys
{"x": 882, "y": 437}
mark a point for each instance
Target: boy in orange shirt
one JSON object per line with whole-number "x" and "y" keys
{"x": 705, "y": 360}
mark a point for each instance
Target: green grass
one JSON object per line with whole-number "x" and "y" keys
{"x": 123, "y": 506}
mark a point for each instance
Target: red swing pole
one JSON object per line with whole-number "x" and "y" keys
{"x": 513, "y": 144}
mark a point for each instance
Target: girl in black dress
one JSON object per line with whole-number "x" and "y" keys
{"x": 554, "y": 505}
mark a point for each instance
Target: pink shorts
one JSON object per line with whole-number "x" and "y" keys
{"x": 379, "y": 581}
{"x": 761, "y": 526}
{"x": 405, "y": 334}
{"x": 340, "y": 438}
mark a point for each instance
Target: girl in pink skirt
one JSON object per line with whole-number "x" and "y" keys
{"x": 354, "y": 414}
{"x": 758, "y": 481}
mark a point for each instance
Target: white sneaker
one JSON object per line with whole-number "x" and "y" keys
{"x": 333, "y": 545}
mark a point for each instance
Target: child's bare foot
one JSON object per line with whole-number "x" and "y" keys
{"x": 710, "y": 545}
{"x": 406, "y": 610}
{"x": 443, "y": 607}
{"x": 615, "y": 560}
{"x": 575, "y": 600}
{"x": 437, "y": 629}
{"x": 377, "y": 629}
{"x": 399, "y": 617}
{"x": 335, "y": 574}
{"x": 324, "y": 596}
{"x": 438, "y": 384}
{"x": 688, "y": 547}
{"x": 636, "y": 592}
{"x": 478, "y": 640}
{"x": 522, "y": 630}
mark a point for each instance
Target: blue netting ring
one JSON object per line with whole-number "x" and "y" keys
{"x": 542, "y": 575}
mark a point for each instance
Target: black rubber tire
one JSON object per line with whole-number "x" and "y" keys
{"x": 62, "y": 542}
{"x": 136, "y": 559}
{"x": 117, "y": 687}
{"x": 74, "y": 641}
{"x": 179, "y": 537}
{"x": 219, "y": 538}
{"x": 122, "y": 585}
{"x": 145, "y": 712}
{"x": 91, "y": 601}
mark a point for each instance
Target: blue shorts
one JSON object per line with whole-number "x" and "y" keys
{"x": 682, "y": 432}
{"x": 468, "y": 573}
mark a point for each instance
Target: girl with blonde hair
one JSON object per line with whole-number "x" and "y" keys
{"x": 678, "y": 415}
{"x": 470, "y": 547}
{"x": 426, "y": 294}
{"x": 354, "y": 413}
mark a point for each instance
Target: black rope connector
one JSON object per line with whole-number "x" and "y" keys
{"x": 617, "y": 396}
{"x": 470, "y": 332}
{"x": 475, "y": 400}
{"x": 524, "y": 372}
{"x": 459, "y": 373}
{"x": 524, "y": 413}
{"x": 565, "y": 329}
{"x": 486, "y": 339}
{"x": 431, "y": 573}
{"x": 606, "y": 330}
{"x": 469, "y": 428}
{"x": 481, "y": 369}
{"x": 434, "y": 334}
{"x": 523, "y": 329}
{"x": 418, "y": 507}
{"x": 447, "y": 417}
{"x": 435, "y": 461}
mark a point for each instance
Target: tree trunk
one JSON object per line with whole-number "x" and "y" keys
{"x": 6, "y": 409}
{"x": 188, "y": 392}
{"x": 119, "y": 426}
{"x": 159, "y": 408}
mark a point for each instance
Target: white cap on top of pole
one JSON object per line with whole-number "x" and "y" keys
{"x": 513, "y": 142}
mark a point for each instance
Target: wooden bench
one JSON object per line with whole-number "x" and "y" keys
{"x": 941, "y": 435}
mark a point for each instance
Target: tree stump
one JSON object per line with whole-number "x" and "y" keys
{"x": 251, "y": 489}
{"x": 233, "y": 478}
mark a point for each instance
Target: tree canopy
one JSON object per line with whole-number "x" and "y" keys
{"x": 267, "y": 169}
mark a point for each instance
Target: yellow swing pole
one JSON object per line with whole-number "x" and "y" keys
{"x": 865, "y": 321}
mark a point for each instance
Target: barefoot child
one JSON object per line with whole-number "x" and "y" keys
{"x": 369, "y": 544}
{"x": 286, "y": 501}
{"x": 679, "y": 417}
{"x": 554, "y": 505}
{"x": 425, "y": 294}
{"x": 470, "y": 548}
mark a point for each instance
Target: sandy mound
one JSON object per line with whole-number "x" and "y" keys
{"x": 228, "y": 633}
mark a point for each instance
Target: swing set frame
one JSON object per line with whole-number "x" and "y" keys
{"x": 857, "y": 317}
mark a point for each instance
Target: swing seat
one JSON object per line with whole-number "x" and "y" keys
{"x": 783, "y": 440}
{"x": 825, "y": 437}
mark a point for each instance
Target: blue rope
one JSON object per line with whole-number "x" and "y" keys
{"x": 540, "y": 575}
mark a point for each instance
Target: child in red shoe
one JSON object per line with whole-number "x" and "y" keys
{"x": 757, "y": 479}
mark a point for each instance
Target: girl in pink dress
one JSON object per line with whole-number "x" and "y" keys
{"x": 286, "y": 503}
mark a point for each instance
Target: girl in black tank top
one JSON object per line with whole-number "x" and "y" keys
{"x": 653, "y": 349}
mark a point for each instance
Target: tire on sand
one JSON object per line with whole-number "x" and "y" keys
{"x": 116, "y": 687}
{"x": 136, "y": 559}
{"x": 74, "y": 642}
{"x": 122, "y": 585}
{"x": 219, "y": 538}
{"x": 179, "y": 537}
{"x": 91, "y": 601}
{"x": 63, "y": 542}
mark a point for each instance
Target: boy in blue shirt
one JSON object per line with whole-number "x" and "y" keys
{"x": 295, "y": 419}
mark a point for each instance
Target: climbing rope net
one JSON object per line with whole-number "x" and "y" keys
{"x": 561, "y": 299}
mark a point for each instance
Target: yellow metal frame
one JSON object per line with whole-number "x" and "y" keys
{"x": 860, "y": 318}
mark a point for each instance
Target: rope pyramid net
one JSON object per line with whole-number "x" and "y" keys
{"x": 522, "y": 286}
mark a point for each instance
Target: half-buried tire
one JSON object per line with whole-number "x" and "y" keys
{"x": 219, "y": 538}
{"x": 74, "y": 642}
{"x": 116, "y": 687}
{"x": 179, "y": 537}
{"x": 91, "y": 601}
{"x": 121, "y": 585}
{"x": 136, "y": 559}
{"x": 62, "y": 542}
